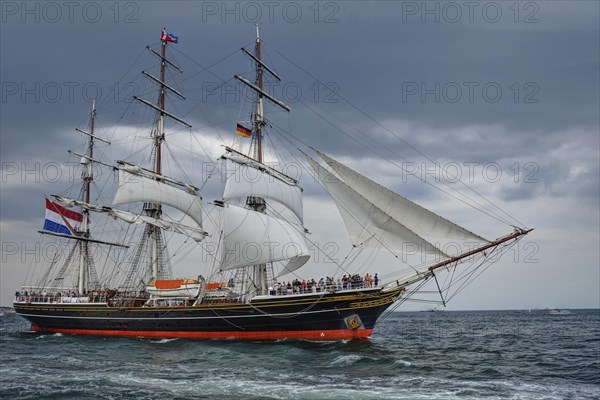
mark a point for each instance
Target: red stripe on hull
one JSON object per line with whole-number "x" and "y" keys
{"x": 340, "y": 334}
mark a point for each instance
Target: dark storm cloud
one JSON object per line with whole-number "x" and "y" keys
{"x": 382, "y": 57}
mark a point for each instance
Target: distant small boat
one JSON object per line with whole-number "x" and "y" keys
{"x": 436, "y": 309}
{"x": 557, "y": 311}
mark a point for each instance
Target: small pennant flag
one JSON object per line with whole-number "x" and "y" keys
{"x": 168, "y": 37}
{"x": 243, "y": 131}
{"x": 61, "y": 220}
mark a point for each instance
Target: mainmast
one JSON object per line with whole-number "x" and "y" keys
{"x": 160, "y": 134}
{"x": 154, "y": 210}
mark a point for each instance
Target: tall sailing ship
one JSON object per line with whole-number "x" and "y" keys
{"x": 261, "y": 239}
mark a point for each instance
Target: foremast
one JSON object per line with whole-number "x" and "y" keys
{"x": 259, "y": 121}
{"x": 254, "y": 202}
{"x": 258, "y": 203}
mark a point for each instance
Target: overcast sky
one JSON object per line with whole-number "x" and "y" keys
{"x": 507, "y": 94}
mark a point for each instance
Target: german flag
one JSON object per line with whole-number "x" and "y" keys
{"x": 243, "y": 131}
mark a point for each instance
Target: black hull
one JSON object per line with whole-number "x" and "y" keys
{"x": 329, "y": 316}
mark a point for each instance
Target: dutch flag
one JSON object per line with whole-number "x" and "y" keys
{"x": 60, "y": 219}
{"x": 168, "y": 37}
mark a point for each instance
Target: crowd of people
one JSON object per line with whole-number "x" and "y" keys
{"x": 329, "y": 284}
{"x": 64, "y": 296}
{"x": 296, "y": 286}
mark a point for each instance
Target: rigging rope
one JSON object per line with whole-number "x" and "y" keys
{"x": 405, "y": 142}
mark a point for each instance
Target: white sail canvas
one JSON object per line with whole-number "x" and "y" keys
{"x": 137, "y": 188}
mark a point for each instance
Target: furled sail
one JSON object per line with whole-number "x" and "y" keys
{"x": 132, "y": 218}
{"x": 244, "y": 178}
{"x": 252, "y": 238}
{"x": 413, "y": 216}
{"x": 135, "y": 187}
{"x": 368, "y": 225}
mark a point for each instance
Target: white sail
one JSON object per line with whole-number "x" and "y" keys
{"x": 252, "y": 238}
{"x": 367, "y": 224}
{"x": 135, "y": 188}
{"x": 132, "y": 218}
{"x": 243, "y": 179}
{"x": 413, "y": 216}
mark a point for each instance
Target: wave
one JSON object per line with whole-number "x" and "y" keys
{"x": 402, "y": 363}
{"x": 164, "y": 340}
{"x": 346, "y": 360}
{"x": 412, "y": 357}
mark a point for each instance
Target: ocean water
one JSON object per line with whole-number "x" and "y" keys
{"x": 426, "y": 355}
